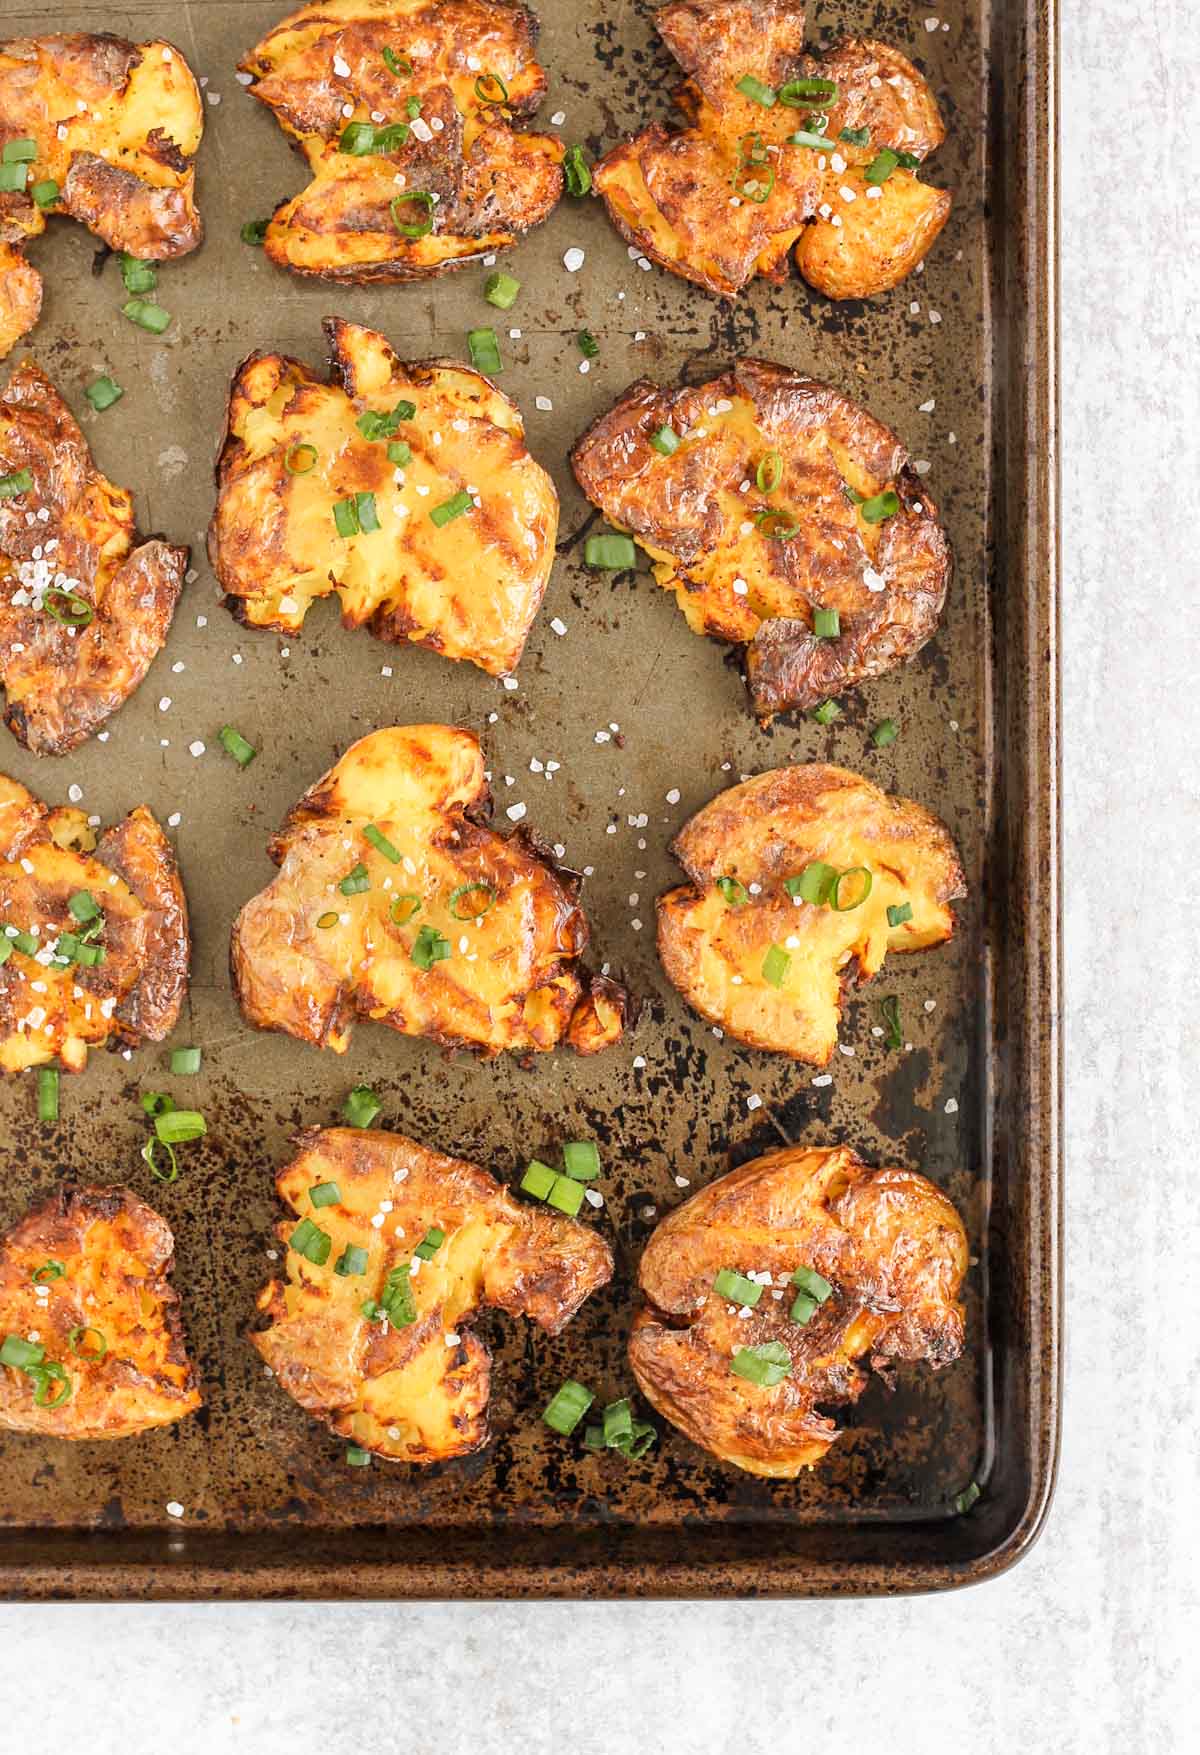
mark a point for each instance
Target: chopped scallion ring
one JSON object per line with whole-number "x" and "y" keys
{"x": 19, "y": 482}
{"x": 587, "y": 344}
{"x": 49, "y": 1270}
{"x": 78, "y": 1342}
{"x": 881, "y": 506}
{"x": 665, "y": 440}
{"x": 734, "y": 891}
{"x": 139, "y": 276}
{"x": 417, "y": 228}
{"x": 429, "y": 947}
{"x": 835, "y": 893}
{"x": 501, "y": 290}
{"x": 881, "y": 166}
{"x": 235, "y": 745}
{"x": 368, "y": 517}
{"x": 405, "y": 908}
{"x": 765, "y": 1365}
{"x": 83, "y": 906}
{"x": 355, "y": 882}
{"x": 769, "y": 473}
{"x": 177, "y": 1126}
{"x": 20, "y": 1353}
{"x": 299, "y": 459}
{"x": 429, "y": 1245}
{"x": 753, "y": 183}
{"x": 150, "y": 1153}
{"x": 886, "y": 732}
{"x": 399, "y": 65}
{"x": 361, "y": 1106}
{"x": 581, "y": 1160}
{"x": 775, "y": 966}
{"x": 351, "y": 1262}
{"x": 778, "y": 526}
{"x": 484, "y": 348}
{"x": 900, "y": 915}
{"x": 963, "y": 1501}
{"x": 752, "y": 149}
{"x": 485, "y": 897}
{"x": 357, "y": 139}
{"x": 737, "y": 1288}
{"x": 610, "y": 553}
{"x": 156, "y": 1103}
{"x": 13, "y": 178}
{"x": 381, "y": 844}
{"x": 538, "y": 1179}
{"x": 816, "y": 142}
{"x": 412, "y": 108}
{"x": 254, "y": 232}
{"x": 22, "y": 151}
{"x": 827, "y": 624}
{"x": 813, "y": 884}
{"x": 325, "y": 1194}
{"x": 576, "y": 171}
{"x": 43, "y": 1376}
{"x": 399, "y": 452}
{"x": 357, "y": 1457}
{"x": 373, "y": 425}
{"x": 67, "y": 609}
{"x": 185, "y": 1062}
{"x": 807, "y": 1279}
{"x": 567, "y": 1406}
{"x": 452, "y": 508}
{"x": 47, "y": 1093}
{"x": 103, "y": 393}
{"x": 566, "y": 1196}
{"x": 494, "y": 79}
{"x": 617, "y": 1424}
{"x": 889, "y": 1011}
{"x": 856, "y": 136}
{"x": 147, "y": 315}
{"x": 827, "y": 712}
{"x": 311, "y": 1242}
{"x": 803, "y": 1308}
{"x": 799, "y": 94}
{"x": 756, "y": 91}
{"x": 345, "y": 516}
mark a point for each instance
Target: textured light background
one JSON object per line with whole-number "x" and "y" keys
{"x": 1090, "y": 1645}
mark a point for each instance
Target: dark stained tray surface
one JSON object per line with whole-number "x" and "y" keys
{"x": 269, "y": 1507}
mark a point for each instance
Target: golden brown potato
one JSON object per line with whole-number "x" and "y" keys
{"x": 85, "y": 1280}
{"x": 753, "y": 565}
{"x": 750, "y": 953}
{"x": 295, "y": 447}
{"x": 56, "y": 998}
{"x": 888, "y": 1253}
{"x": 407, "y": 1378}
{"x": 116, "y": 127}
{"x": 730, "y": 195}
{"x": 408, "y": 113}
{"x": 83, "y": 611}
{"x": 460, "y": 934}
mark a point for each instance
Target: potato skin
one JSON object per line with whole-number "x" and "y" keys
{"x": 118, "y": 1254}
{"x": 405, "y": 1393}
{"x": 63, "y": 684}
{"x": 136, "y": 993}
{"x": 764, "y": 831}
{"x": 695, "y": 514}
{"x": 492, "y": 180}
{"x": 891, "y": 1245}
{"x": 470, "y": 589}
{"x": 513, "y": 980}
{"x": 117, "y": 126}
{"x": 689, "y": 203}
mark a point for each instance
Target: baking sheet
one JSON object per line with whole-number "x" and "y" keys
{"x": 268, "y": 1505}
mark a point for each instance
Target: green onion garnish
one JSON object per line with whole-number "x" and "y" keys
{"x": 813, "y": 884}
{"x": 13, "y": 178}
{"x": 6, "y": 948}
{"x": 412, "y": 108}
{"x": 311, "y": 1242}
{"x": 19, "y": 482}
{"x": 405, "y": 908}
{"x": 452, "y": 508}
{"x": 368, "y": 517}
{"x": 22, "y": 151}
{"x": 563, "y": 1412}
{"x": 429, "y": 947}
{"x": 429, "y": 1245}
{"x": 485, "y": 898}
{"x": 827, "y": 712}
{"x": 179, "y": 1125}
{"x": 665, "y": 440}
{"x": 103, "y": 393}
{"x": 803, "y": 1308}
{"x": 963, "y": 1501}
{"x": 351, "y": 1262}
{"x": 299, "y": 459}
{"x": 889, "y": 1011}
{"x": 47, "y": 1093}
{"x": 43, "y": 1376}
{"x": 157, "y": 1103}
{"x": 397, "y": 1302}
{"x": 566, "y": 1195}
{"x": 484, "y": 348}
{"x": 798, "y": 94}
{"x": 361, "y": 1106}
{"x": 816, "y": 142}
{"x": 397, "y": 64}
{"x": 185, "y": 1062}
{"x": 67, "y": 609}
{"x": 356, "y": 881}
{"x": 538, "y": 1180}
{"x": 357, "y": 139}
{"x": 581, "y": 1160}
{"x": 766, "y": 1365}
{"x": 835, "y": 892}
{"x": 769, "y": 473}
{"x": 356, "y": 1456}
{"x": 775, "y": 965}
{"x": 83, "y": 906}
{"x": 881, "y": 166}
{"x": 26, "y": 943}
{"x": 856, "y": 136}
{"x": 807, "y": 1279}
{"x": 734, "y": 891}
{"x": 756, "y": 91}
{"x": 417, "y": 228}
{"x": 255, "y": 232}
{"x": 20, "y": 1353}
{"x": 345, "y": 516}
{"x": 587, "y": 344}
{"x": 900, "y": 914}
{"x": 737, "y": 1288}
{"x": 380, "y": 843}
{"x": 617, "y": 1424}
{"x": 77, "y": 1340}
{"x": 827, "y": 624}
{"x": 373, "y": 425}
{"x": 501, "y": 290}
{"x": 881, "y": 506}
{"x": 494, "y": 79}
{"x": 235, "y": 745}
{"x": 328, "y": 919}
{"x": 886, "y": 732}
{"x": 399, "y": 452}
{"x": 577, "y": 171}
{"x": 49, "y": 1270}
{"x": 325, "y": 1194}
{"x": 139, "y": 276}
{"x": 778, "y": 526}
{"x": 753, "y": 184}
{"x": 151, "y": 1151}
{"x": 146, "y": 314}
{"x": 611, "y": 553}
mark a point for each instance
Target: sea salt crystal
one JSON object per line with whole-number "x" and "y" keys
{"x": 573, "y": 259}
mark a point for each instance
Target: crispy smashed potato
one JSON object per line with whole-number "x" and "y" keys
{"x": 86, "y": 1303}
{"x": 782, "y": 498}
{"x": 395, "y": 902}
{"x": 297, "y": 448}
{"x": 882, "y": 1254}
{"x": 731, "y": 195}
{"x": 94, "y": 942}
{"x": 744, "y": 945}
{"x": 409, "y": 115}
{"x": 408, "y": 1378}
{"x": 113, "y": 128}
{"x": 84, "y": 606}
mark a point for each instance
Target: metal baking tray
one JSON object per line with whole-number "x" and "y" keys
{"x": 269, "y": 1509}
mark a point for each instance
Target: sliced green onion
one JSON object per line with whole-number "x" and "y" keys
{"x": 356, "y": 1456}
{"x": 43, "y": 1376}
{"x": 235, "y": 745}
{"x": 429, "y": 947}
{"x": 83, "y": 906}
{"x": 103, "y": 393}
{"x": 881, "y": 166}
{"x": 816, "y": 142}
{"x": 299, "y": 459}
{"x": 325, "y": 1194}
{"x": 328, "y": 919}
{"x": 737, "y": 1288}
{"x": 69, "y": 610}
{"x": 827, "y": 712}
{"x": 752, "y": 149}
{"x": 397, "y": 1303}
{"x": 756, "y": 91}
{"x": 150, "y": 1155}
{"x": 798, "y": 94}
{"x": 399, "y": 452}
{"x": 900, "y": 915}
{"x": 766, "y": 1365}
{"x": 398, "y": 65}
{"x": 157, "y": 1103}
{"x": 963, "y": 1501}
{"x": 25, "y": 942}
{"x": 361, "y": 1106}
{"x": 368, "y": 517}
{"x": 775, "y": 965}
{"x": 417, "y": 228}
{"x": 356, "y": 881}
{"x": 889, "y": 1011}
{"x": 185, "y": 1062}
{"x": 827, "y": 624}
{"x": 803, "y": 1308}
{"x": 22, "y": 151}
{"x": 639, "y": 1441}
{"x": 412, "y": 108}
{"x": 373, "y": 425}
{"x": 429, "y": 1245}
{"x": 472, "y": 912}
{"x": 538, "y": 1179}
{"x": 357, "y": 139}
{"x": 255, "y": 232}
{"x": 13, "y": 178}
{"x": 146, "y": 314}
{"x": 6, "y": 948}
{"x": 47, "y": 1093}
{"x": 566, "y": 1407}
{"x": 813, "y": 884}
{"x": 77, "y": 1341}
{"x": 611, "y": 553}
{"x": 734, "y": 891}
{"x": 501, "y": 290}
{"x": 311, "y": 1242}
{"x": 381, "y": 844}
{"x": 769, "y": 473}
{"x": 484, "y": 348}
{"x": 778, "y": 526}
{"x": 581, "y": 1160}
{"x": 49, "y": 1270}
{"x": 881, "y": 506}
{"x": 566, "y": 1196}
{"x": 405, "y": 908}
{"x": 807, "y": 1279}
{"x": 593, "y": 1438}
{"x": 345, "y": 516}
{"x": 617, "y": 1423}
{"x": 20, "y": 1353}
{"x": 576, "y": 171}
{"x": 835, "y": 893}
{"x": 19, "y": 482}
{"x": 486, "y": 79}
{"x": 665, "y": 440}
{"x": 452, "y": 508}
{"x": 886, "y": 732}
{"x": 587, "y": 344}
{"x": 178, "y": 1125}
{"x": 856, "y": 136}
{"x": 139, "y": 276}
{"x": 351, "y": 1262}
{"x": 753, "y": 184}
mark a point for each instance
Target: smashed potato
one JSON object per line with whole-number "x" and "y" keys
{"x": 848, "y": 1263}
{"x": 781, "y": 500}
{"x": 84, "y": 606}
{"x": 450, "y": 547}
{"x": 395, "y": 902}
{"x": 370, "y": 1331}
{"x": 783, "y": 152}
{"x": 94, "y": 938}
{"x": 409, "y": 115}
{"x": 800, "y": 880}
{"x": 93, "y": 1346}
{"x": 105, "y": 131}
